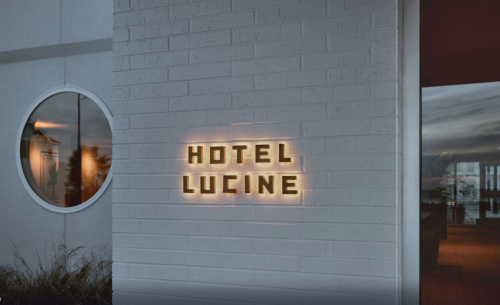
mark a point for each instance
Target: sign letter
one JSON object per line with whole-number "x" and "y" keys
{"x": 198, "y": 154}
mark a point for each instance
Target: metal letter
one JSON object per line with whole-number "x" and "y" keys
{"x": 259, "y": 153}
{"x": 203, "y": 190}
{"x": 225, "y": 184}
{"x": 222, "y": 155}
{"x": 286, "y": 184}
{"x": 247, "y": 184}
{"x": 185, "y": 185}
{"x": 268, "y": 185}
{"x": 239, "y": 152}
{"x": 198, "y": 154}
{"x": 282, "y": 154}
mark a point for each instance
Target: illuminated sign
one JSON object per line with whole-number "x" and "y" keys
{"x": 231, "y": 182}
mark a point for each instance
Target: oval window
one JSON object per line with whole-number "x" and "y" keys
{"x": 66, "y": 149}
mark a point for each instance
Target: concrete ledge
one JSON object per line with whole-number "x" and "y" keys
{"x": 61, "y": 50}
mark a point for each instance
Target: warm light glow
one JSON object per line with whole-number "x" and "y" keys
{"x": 45, "y": 124}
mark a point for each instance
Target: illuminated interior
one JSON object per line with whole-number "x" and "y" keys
{"x": 66, "y": 149}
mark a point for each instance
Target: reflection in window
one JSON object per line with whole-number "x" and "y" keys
{"x": 66, "y": 149}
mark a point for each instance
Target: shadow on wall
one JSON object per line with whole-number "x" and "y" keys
{"x": 150, "y": 292}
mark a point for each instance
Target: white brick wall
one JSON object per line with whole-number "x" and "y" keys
{"x": 318, "y": 75}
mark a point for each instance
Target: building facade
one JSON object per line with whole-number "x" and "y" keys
{"x": 312, "y": 86}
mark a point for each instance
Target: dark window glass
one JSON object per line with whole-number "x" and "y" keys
{"x": 66, "y": 149}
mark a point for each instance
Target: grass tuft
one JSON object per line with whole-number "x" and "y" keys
{"x": 70, "y": 277}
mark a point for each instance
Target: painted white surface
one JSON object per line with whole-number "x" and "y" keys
{"x": 22, "y": 220}
{"x": 319, "y": 75}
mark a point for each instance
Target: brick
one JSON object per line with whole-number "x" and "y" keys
{"x": 223, "y": 85}
{"x": 336, "y": 162}
{"x": 267, "y": 230}
{"x": 159, "y": 120}
{"x": 121, "y": 94}
{"x": 221, "y": 22}
{"x": 200, "y": 71}
{"x": 120, "y": 211}
{"x": 200, "y": 40}
{"x": 155, "y": 182}
{"x": 355, "y": 6}
{"x": 363, "y": 179}
{"x": 287, "y": 114}
{"x": 290, "y": 214}
{"x": 162, "y": 212}
{"x": 143, "y": 106}
{"x": 290, "y": 80}
{"x": 320, "y": 61}
{"x": 158, "y": 90}
{"x": 361, "y": 110}
{"x": 245, "y": 4}
{"x": 313, "y": 181}
{"x": 120, "y": 35}
{"x": 151, "y": 151}
{"x": 291, "y": 13}
{"x": 334, "y": 266}
{"x": 119, "y": 20}
{"x": 351, "y": 93}
{"x": 374, "y": 215}
{"x": 384, "y": 55}
{"x": 347, "y": 232}
{"x": 224, "y": 53}
{"x": 268, "y": 65}
{"x": 352, "y": 197}
{"x": 386, "y": 233}
{"x": 383, "y": 38}
{"x": 145, "y": 4}
{"x": 287, "y": 47}
{"x": 200, "y": 9}
{"x": 254, "y": 34}
{"x": 317, "y": 95}
{"x": 385, "y": 20}
{"x": 385, "y": 90}
{"x": 199, "y": 102}
{"x": 272, "y": 98}
{"x": 120, "y": 152}
{"x": 141, "y": 77}
{"x": 150, "y": 241}
{"x": 373, "y": 286}
{"x": 215, "y": 228}
{"x": 136, "y": 62}
{"x": 198, "y": 118}
{"x": 355, "y": 23}
{"x": 230, "y": 117}
{"x": 120, "y": 122}
{"x": 203, "y": 244}
{"x": 238, "y": 245}
{"x": 221, "y": 276}
{"x": 320, "y": 27}
{"x": 383, "y": 198}
{"x": 365, "y": 250}
{"x": 354, "y": 58}
{"x": 159, "y": 272}
{"x": 166, "y": 59}
{"x": 131, "y": 48}
{"x": 384, "y": 126}
{"x": 121, "y": 64}
{"x": 159, "y": 14}
{"x": 140, "y": 136}
{"x": 341, "y": 146}
{"x": 376, "y": 144}
{"x": 290, "y": 280}
{"x": 384, "y": 162}
{"x": 271, "y": 246}
{"x": 221, "y": 133}
{"x": 376, "y": 73}
{"x": 256, "y": 131}
{"x": 144, "y": 31}
{"x": 222, "y": 213}
{"x": 307, "y": 248}
{"x": 341, "y": 76}
{"x": 337, "y": 128}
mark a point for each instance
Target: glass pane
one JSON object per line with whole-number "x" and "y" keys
{"x": 66, "y": 149}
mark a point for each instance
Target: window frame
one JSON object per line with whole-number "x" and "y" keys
{"x": 40, "y": 99}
